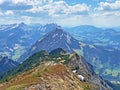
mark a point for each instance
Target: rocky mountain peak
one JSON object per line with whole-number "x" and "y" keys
{"x": 22, "y": 24}
{"x": 57, "y": 38}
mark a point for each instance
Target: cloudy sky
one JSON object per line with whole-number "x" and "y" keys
{"x": 105, "y": 13}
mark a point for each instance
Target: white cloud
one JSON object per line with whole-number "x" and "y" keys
{"x": 108, "y": 9}
{"x": 96, "y": 20}
{"x": 47, "y": 11}
{"x": 18, "y": 1}
{"x": 26, "y": 19}
{"x": 1, "y": 13}
{"x": 109, "y": 6}
{"x": 32, "y": 2}
{"x": 9, "y": 12}
{"x": 36, "y": 9}
{"x": 60, "y": 8}
{"x": 110, "y": 0}
{"x": 1, "y": 1}
{"x": 6, "y": 13}
{"x": 79, "y": 8}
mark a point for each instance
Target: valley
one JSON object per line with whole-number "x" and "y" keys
{"x": 59, "y": 44}
{"x": 102, "y": 55}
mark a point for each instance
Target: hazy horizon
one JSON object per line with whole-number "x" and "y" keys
{"x": 101, "y": 13}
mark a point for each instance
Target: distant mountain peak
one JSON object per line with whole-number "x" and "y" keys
{"x": 48, "y": 27}
{"x": 57, "y": 38}
{"x": 64, "y": 35}
{"x": 19, "y": 25}
{"x": 59, "y": 27}
{"x": 22, "y": 24}
{"x": 51, "y": 24}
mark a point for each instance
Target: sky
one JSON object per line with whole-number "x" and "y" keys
{"x": 103, "y": 13}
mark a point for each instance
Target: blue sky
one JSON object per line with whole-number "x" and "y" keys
{"x": 103, "y": 13}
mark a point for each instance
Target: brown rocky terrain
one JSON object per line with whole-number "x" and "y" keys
{"x": 48, "y": 76}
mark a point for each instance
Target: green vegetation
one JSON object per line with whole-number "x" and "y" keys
{"x": 16, "y": 87}
{"x": 58, "y": 51}
{"x": 114, "y": 72}
{"x": 41, "y": 67}
{"x": 28, "y": 64}
{"x": 87, "y": 87}
{"x": 5, "y": 53}
{"x": 32, "y": 62}
{"x": 18, "y": 53}
{"x": 60, "y": 58}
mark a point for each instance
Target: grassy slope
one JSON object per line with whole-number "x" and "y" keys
{"x": 52, "y": 75}
{"x": 33, "y": 62}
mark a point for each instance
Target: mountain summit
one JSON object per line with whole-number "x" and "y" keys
{"x": 57, "y": 38}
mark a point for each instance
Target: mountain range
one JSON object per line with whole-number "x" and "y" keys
{"x": 100, "y": 47}
{"x": 18, "y": 38}
{"x": 96, "y": 36}
{"x": 96, "y": 55}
